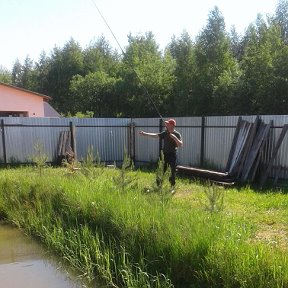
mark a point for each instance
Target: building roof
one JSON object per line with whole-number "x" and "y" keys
{"x": 49, "y": 111}
{"x": 47, "y": 98}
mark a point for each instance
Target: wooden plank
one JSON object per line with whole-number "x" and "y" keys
{"x": 233, "y": 145}
{"x": 262, "y": 133}
{"x": 192, "y": 169}
{"x": 274, "y": 153}
{"x": 262, "y": 151}
{"x": 206, "y": 174}
{"x": 251, "y": 154}
{"x": 73, "y": 140}
{"x": 244, "y": 140}
{"x": 60, "y": 143}
{"x": 238, "y": 146}
{"x": 63, "y": 147}
{"x": 262, "y": 154}
{"x": 248, "y": 145}
{"x": 241, "y": 149}
{"x": 67, "y": 146}
{"x": 258, "y": 159}
{"x": 268, "y": 147}
{"x": 224, "y": 184}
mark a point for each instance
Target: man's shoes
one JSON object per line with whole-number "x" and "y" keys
{"x": 173, "y": 191}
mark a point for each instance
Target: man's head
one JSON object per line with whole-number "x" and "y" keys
{"x": 170, "y": 124}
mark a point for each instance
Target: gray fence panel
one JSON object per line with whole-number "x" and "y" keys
{"x": 107, "y": 136}
{"x": 146, "y": 149}
{"x": 21, "y": 141}
{"x": 219, "y": 133}
{"x": 190, "y": 129}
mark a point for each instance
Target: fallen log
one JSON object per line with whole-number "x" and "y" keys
{"x": 206, "y": 174}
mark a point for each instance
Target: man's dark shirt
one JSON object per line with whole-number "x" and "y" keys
{"x": 169, "y": 144}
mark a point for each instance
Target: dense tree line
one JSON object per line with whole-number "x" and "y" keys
{"x": 217, "y": 73}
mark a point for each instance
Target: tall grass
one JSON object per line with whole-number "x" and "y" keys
{"x": 131, "y": 240}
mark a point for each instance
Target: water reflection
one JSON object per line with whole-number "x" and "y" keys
{"x": 24, "y": 263}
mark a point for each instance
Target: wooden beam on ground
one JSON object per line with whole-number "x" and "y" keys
{"x": 206, "y": 174}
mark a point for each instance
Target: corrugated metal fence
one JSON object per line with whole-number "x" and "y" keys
{"x": 107, "y": 136}
{"x": 207, "y": 140}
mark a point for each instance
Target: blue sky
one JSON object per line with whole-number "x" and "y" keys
{"x": 29, "y": 27}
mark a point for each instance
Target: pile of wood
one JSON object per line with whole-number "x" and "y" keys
{"x": 250, "y": 155}
{"x": 64, "y": 150}
{"x": 247, "y": 149}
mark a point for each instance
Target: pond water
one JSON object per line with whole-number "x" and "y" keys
{"x": 25, "y": 263}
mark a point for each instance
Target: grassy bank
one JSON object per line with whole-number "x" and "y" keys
{"x": 108, "y": 225}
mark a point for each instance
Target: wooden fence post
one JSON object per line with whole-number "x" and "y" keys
{"x": 131, "y": 141}
{"x": 3, "y": 142}
{"x": 73, "y": 139}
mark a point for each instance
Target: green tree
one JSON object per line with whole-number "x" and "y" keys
{"x": 64, "y": 64}
{"x": 281, "y": 19}
{"x": 41, "y": 74}
{"x": 216, "y": 70}
{"x": 28, "y": 77}
{"x": 94, "y": 92}
{"x": 5, "y": 75}
{"x": 236, "y": 44}
{"x": 182, "y": 51}
{"x": 17, "y": 73}
{"x": 24, "y": 76}
{"x": 263, "y": 51}
{"x": 146, "y": 75}
{"x": 99, "y": 56}
{"x": 278, "y": 103}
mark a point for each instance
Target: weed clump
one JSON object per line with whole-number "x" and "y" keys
{"x": 91, "y": 166}
{"x": 124, "y": 180}
{"x": 214, "y": 198}
{"x": 39, "y": 158}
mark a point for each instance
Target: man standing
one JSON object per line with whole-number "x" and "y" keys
{"x": 172, "y": 140}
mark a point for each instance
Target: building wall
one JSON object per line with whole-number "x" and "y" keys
{"x": 14, "y": 100}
